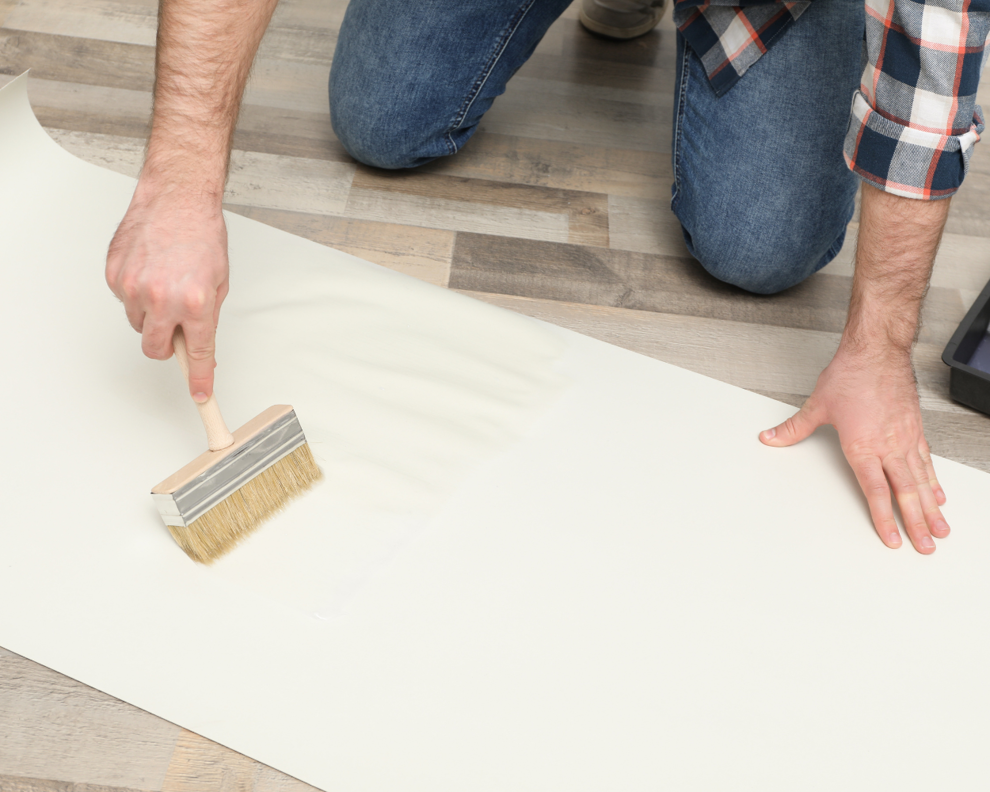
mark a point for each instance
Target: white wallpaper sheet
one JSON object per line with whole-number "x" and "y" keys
{"x": 539, "y": 562}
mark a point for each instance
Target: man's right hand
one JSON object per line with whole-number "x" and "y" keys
{"x": 168, "y": 260}
{"x": 168, "y": 264}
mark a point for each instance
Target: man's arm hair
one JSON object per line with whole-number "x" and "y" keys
{"x": 204, "y": 54}
{"x": 898, "y": 240}
{"x": 868, "y": 391}
{"x": 168, "y": 260}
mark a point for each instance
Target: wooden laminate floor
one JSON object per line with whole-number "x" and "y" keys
{"x": 570, "y": 172}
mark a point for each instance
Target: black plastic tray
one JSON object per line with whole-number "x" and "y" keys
{"x": 968, "y": 356}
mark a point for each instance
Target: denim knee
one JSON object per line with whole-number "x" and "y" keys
{"x": 376, "y": 132}
{"x": 774, "y": 258}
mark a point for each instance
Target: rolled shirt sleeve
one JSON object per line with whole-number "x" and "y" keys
{"x": 914, "y": 119}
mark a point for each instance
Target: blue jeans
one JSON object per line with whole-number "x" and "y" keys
{"x": 760, "y": 186}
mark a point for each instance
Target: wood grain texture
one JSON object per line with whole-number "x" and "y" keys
{"x": 9, "y": 783}
{"x": 107, "y": 64}
{"x": 6, "y": 6}
{"x": 609, "y": 170}
{"x": 198, "y": 765}
{"x": 581, "y": 117}
{"x": 645, "y": 225}
{"x": 57, "y": 729}
{"x": 423, "y": 253}
{"x": 586, "y": 213}
{"x": 449, "y": 214}
{"x": 133, "y": 22}
{"x": 668, "y": 284}
{"x": 255, "y": 179}
{"x": 557, "y": 208}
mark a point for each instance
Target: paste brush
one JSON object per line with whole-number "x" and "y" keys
{"x": 225, "y": 493}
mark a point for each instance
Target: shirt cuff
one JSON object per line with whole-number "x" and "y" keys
{"x": 904, "y": 160}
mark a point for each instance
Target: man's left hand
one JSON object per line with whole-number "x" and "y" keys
{"x": 870, "y": 397}
{"x": 868, "y": 392}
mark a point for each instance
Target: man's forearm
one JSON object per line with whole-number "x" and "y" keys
{"x": 898, "y": 239}
{"x": 868, "y": 391}
{"x": 168, "y": 260}
{"x": 204, "y": 54}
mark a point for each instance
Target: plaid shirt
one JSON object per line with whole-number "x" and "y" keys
{"x": 914, "y": 119}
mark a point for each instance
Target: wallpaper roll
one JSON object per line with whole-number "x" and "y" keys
{"x": 537, "y": 561}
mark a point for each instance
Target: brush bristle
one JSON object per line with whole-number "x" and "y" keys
{"x": 222, "y": 527}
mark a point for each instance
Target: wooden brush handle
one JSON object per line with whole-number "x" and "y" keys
{"x": 217, "y": 433}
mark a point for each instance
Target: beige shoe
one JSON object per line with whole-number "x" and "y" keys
{"x": 621, "y": 19}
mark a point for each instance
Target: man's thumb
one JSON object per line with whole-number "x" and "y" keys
{"x": 793, "y": 430}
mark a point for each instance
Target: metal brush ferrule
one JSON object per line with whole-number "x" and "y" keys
{"x": 229, "y": 474}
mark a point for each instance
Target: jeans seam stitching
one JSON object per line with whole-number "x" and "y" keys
{"x": 486, "y": 72}
{"x": 678, "y": 122}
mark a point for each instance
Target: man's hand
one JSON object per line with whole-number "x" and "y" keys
{"x": 868, "y": 392}
{"x": 168, "y": 260}
{"x": 872, "y": 402}
{"x": 168, "y": 264}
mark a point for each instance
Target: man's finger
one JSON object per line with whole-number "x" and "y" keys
{"x": 926, "y": 457}
{"x": 794, "y": 429}
{"x": 908, "y": 498}
{"x": 929, "y": 505}
{"x": 136, "y": 317}
{"x": 873, "y": 482}
{"x": 221, "y": 295}
{"x": 156, "y": 339}
{"x": 200, "y": 339}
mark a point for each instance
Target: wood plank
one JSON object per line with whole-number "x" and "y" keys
{"x": 310, "y": 14}
{"x": 288, "y": 37}
{"x": 288, "y": 85}
{"x": 645, "y": 226}
{"x": 6, "y": 6}
{"x": 299, "y": 44}
{"x": 423, "y": 253}
{"x": 608, "y": 169}
{"x": 504, "y": 158}
{"x": 963, "y": 436}
{"x": 131, "y": 22}
{"x": 124, "y": 112}
{"x": 10, "y": 783}
{"x": 294, "y": 133}
{"x": 90, "y": 108}
{"x": 441, "y": 213}
{"x": 587, "y": 213}
{"x": 68, "y": 59}
{"x": 528, "y": 84}
{"x": 57, "y": 729}
{"x": 579, "y": 118}
{"x": 273, "y": 83}
{"x": 120, "y": 154}
{"x": 255, "y": 179}
{"x": 289, "y": 183}
{"x": 199, "y": 765}
{"x": 666, "y": 284}
{"x": 614, "y": 74}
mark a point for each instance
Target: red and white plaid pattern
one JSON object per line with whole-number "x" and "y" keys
{"x": 729, "y": 39}
{"x": 914, "y": 121}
